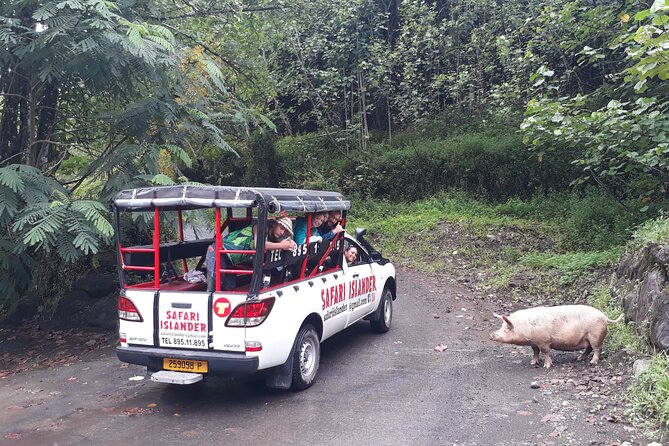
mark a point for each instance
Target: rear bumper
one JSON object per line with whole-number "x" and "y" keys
{"x": 219, "y": 363}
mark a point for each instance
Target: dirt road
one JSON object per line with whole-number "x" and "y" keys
{"x": 390, "y": 389}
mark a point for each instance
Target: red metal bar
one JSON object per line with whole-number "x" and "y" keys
{"x": 236, "y": 271}
{"x": 304, "y": 262}
{"x": 136, "y": 249}
{"x": 237, "y": 251}
{"x": 138, "y": 268}
{"x": 180, "y": 224}
{"x": 325, "y": 256}
{"x": 219, "y": 247}
{"x": 156, "y": 247}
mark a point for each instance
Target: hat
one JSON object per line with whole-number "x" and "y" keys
{"x": 286, "y": 223}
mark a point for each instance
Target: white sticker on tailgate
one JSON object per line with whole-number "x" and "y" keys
{"x": 183, "y": 322}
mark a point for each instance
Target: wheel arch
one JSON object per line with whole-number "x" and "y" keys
{"x": 391, "y": 283}
{"x": 315, "y": 320}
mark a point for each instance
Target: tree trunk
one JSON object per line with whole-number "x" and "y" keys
{"x": 48, "y": 110}
{"x": 9, "y": 129}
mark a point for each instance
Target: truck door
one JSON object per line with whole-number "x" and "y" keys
{"x": 360, "y": 283}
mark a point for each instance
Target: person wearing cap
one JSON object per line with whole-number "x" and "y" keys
{"x": 279, "y": 232}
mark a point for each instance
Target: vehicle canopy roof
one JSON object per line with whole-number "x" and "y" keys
{"x": 205, "y": 196}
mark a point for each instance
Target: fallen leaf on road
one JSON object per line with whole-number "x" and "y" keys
{"x": 132, "y": 411}
{"x": 440, "y": 348}
{"x": 151, "y": 405}
{"x": 13, "y": 436}
{"x": 72, "y": 378}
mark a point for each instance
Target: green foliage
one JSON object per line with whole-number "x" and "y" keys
{"x": 591, "y": 220}
{"x": 651, "y": 231}
{"x": 490, "y": 165}
{"x": 650, "y": 391}
{"x": 262, "y": 166}
{"x": 570, "y": 266}
{"x": 622, "y": 127}
{"x": 38, "y": 215}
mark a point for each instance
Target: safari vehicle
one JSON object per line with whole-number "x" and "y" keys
{"x": 286, "y": 304}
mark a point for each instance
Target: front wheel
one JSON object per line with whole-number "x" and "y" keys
{"x": 382, "y": 324}
{"x": 306, "y": 358}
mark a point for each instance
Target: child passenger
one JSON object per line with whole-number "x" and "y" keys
{"x": 300, "y": 232}
{"x": 279, "y": 231}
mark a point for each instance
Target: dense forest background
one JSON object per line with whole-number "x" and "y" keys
{"x": 391, "y": 100}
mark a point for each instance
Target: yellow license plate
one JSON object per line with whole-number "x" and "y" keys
{"x": 185, "y": 365}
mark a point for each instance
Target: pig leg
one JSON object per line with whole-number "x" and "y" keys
{"x": 596, "y": 341}
{"x": 595, "y": 357}
{"x": 548, "y": 361}
{"x": 535, "y": 356}
{"x": 583, "y": 356}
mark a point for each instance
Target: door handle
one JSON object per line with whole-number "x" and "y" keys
{"x": 355, "y": 276}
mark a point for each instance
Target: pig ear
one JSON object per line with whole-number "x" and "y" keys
{"x": 508, "y": 321}
{"x": 497, "y": 315}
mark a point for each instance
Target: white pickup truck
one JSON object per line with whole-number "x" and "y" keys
{"x": 283, "y": 305}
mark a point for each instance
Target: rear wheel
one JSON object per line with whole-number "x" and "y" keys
{"x": 382, "y": 324}
{"x": 306, "y": 357}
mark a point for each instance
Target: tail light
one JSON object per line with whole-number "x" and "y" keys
{"x": 253, "y": 346}
{"x": 127, "y": 310}
{"x": 250, "y": 314}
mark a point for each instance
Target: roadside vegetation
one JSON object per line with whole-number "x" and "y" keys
{"x": 549, "y": 250}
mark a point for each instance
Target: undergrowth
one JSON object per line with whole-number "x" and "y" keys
{"x": 649, "y": 394}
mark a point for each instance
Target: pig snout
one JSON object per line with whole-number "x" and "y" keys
{"x": 494, "y": 336}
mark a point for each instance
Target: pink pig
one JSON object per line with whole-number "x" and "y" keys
{"x": 563, "y": 327}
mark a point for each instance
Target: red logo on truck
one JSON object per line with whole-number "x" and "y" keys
{"x": 222, "y": 307}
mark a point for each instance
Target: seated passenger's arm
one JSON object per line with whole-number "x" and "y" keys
{"x": 286, "y": 245}
{"x": 331, "y": 234}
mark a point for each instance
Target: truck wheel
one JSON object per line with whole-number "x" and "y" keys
{"x": 306, "y": 357}
{"x": 382, "y": 324}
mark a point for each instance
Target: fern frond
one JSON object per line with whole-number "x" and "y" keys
{"x": 96, "y": 213}
{"x": 180, "y": 153}
{"x": 12, "y": 179}
{"x": 9, "y": 204}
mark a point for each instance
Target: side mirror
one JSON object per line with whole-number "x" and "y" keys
{"x": 376, "y": 256}
{"x": 360, "y": 232}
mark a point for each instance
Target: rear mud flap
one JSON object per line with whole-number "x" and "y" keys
{"x": 281, "y": 377}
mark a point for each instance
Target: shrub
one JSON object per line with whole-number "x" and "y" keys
{"x": 489, "y": 165}
{"x": 650, "y": 392}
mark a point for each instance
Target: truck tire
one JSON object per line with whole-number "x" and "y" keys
{"x": 306, "y": 357}
{"x": 382, "y": 324}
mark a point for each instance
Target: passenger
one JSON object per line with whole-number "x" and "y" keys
{"x": 331, "y": 227}
{"x": 351, "y": 255}
{"x": 279, "y": 231}
{"x": 317, "y": 219}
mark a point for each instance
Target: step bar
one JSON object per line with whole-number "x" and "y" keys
{"x": 169, "y": 377}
